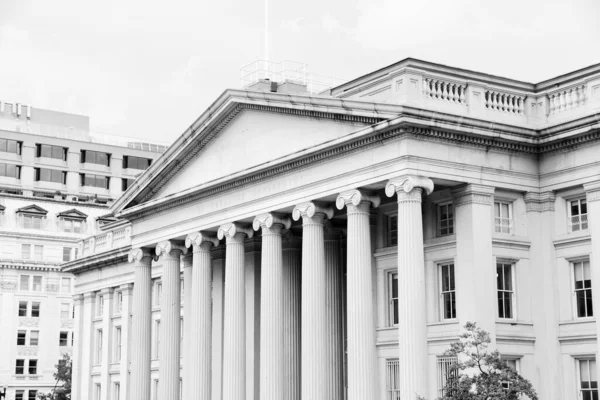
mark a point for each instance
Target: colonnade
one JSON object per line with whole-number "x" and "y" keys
{"x": 300, "y": 344}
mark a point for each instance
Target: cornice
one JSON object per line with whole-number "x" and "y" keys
{"x": 94, "y": 261}
{"x": 34, "y": 266}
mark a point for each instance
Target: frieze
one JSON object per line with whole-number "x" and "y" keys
{"x": 473, "y": 198}
{"x": 52, "y": 288}
{"x": 29, "y": 322}
{"x": 593, "y": 195}
{"x": 27, "y": 351}
{"x": 8, "y": 286}
{"x": 67, "y": 323}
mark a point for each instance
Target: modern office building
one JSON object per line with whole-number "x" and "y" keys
{"x": 330, "y": 246}
{"x": 57, "y": 181}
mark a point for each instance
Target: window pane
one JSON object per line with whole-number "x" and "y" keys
{"x": 22, "y": 309}
{"x": 34, "y": 338}
{"x": 24, "y": 283}
{"x": 499, "y": 277}
{"x": 575, "y": 207}
{"x": 588, "y": 299}
{"x": 37, "y": 283}
{"x": 507, "y": 277}
{"x": 35, "y": 309}
{"x": 21, "y": 338}
{"x": 32, "y": 367}
{"x": 395, "y": 286}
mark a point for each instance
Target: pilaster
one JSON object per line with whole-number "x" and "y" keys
{"x": 126, "y": 339}
{"x": 78, "y": 352}
{"x": 592, "y": 194}
{"x": 86, "y": 343}
{"x": 107, "y": 338}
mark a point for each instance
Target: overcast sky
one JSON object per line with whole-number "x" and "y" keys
{"x": 149, "y": 68}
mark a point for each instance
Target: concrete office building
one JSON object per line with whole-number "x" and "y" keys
{"x": 291, "y": 246}
{"x": 57, "y": 182}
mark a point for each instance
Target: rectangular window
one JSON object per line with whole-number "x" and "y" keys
{"x": 392, "y": 230}
{"x": 38, "y": 252}
{"x": 588, "y": 379}
{"x": 19, "y": 395}
{"x": 583, "y": 289}
{"x": 63, "y": 339}
{"x": 117, "y": 354}
{"x": 65, "y": 310}
{"x": 72, "y": 225}
{"x": 98, "y": 181}
{"x": 100, "y": 309}
{"x": 157, "y": 293}
{"x": 393, "y": 299}
{"x": 136, "y": 162}
{"x": 156, "y": 337}
{"x": 95, "y": 157}
{"x": 35, "y": 309}
{"x": 10, "y": 170}
{"x": 49, "y": 151}
{"x": 32, "y": 221}
{"x": 50, "y": 175}
{"x": 578, "y": 215}
{"x": 37, "y": 283}
{"x": 22, "y": 309}
{"x": 445, "y": 219}
{"x": 26, "y": 251}
{"x": 504, "y": 278}
{"x": 21, "y": 337}
{"x": 32, "y": 367}
{"x": 34, "y": 338}
{"x": 66, "y": 254}
{"x": 20, "y": 367}
{"x": 24, "y": 281}
{"x": 65, "y": 285}
{"x": 502, "y": 217}
{"x": 445, "y": 372}
{"x": 125, "y": 183}
{"x": 32, "y": 395}
{"x": 448, "y": 294}
{"x": 99, "y": 346}
{"x": 10, "y": 146}
{"x": 392, "y": 380}
{"x": 119, "y": 303}
{"x": 116, "y": 391}
{"x": 98, "y": 390}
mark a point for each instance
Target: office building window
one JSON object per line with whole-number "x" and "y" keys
{"x": 448, "y": 294}
{"x": 157, "y": 293}
{"x": 392, "y": 380}
{"x": 99, "y": 181}
{"x": 98, "y": 392}
{"x": 504, "y": 280}
{"x": 583, "y": 288}
{"x": 65, "y": 285}
{"x": 24, "y": 281}
{"x": 136, "y": 162}
{"x": 65, "y": 310}
{"x": 48, "y": 151}
{"x": 72, "y": 225}
{"x": 32, "y": 221}
{"x": 578, "y": 220}
{"x": 50, "y": 175}
{"x": 125, "y": 183}
{"x": 502, "y": 217}
{"x": 32, "y": 367}
{"x": 156, "y": 337}
{"x": 37, "y": 283}
{"x": 445, "y": 219}
{"x": 22, "y": 309}
{"x": 32, "y": 395}
{"x": 66, "y": 254}
{"x": 10, "y": 170}
{"x": 100, "y": 306}
{"x": 588, "y": 380}
{"x": 34, "y": 338}
{"x": 393, "y": 299}
{"x": 21, "y": 337}
{"x": 19, "y": 367}
{"x": 99, "y": 346}
{"x": 119, "y": 303}
{"x": 19, "y": 395}
{"x": 445, "y": 372}
{"x": 38, "y": 252}
{"x": 95, "y": 157}
{"x": 10, "y": 146}
{"x": 63, "y": 339}
{"x": 116, "y": 391}
{"x": 35, "y": 309}
{"x": 392, "y": 230}
{"x": 117, "y": 341}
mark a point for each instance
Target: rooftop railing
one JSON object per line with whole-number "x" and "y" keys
{"x": 115, "y": 238}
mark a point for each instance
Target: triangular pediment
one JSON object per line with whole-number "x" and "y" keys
{"x": 72, "y": 213}
{"x": 32, "y": 209}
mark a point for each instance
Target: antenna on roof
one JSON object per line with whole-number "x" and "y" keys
{"x": 267, "y": 72}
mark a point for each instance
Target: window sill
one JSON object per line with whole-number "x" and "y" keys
{"x": 507, "y": 321}
{"x": 444, "y": 322}
{"x": 577, "y": 321}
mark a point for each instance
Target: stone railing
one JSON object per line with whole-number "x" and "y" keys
{"x": 566, "y": 99}
{"x": 504, "y": 102}
{"x": 117, "y": 237}
{"x": 444, "y": 90}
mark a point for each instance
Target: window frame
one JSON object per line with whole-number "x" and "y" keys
{"x": 498, "y": 219}
{"x": 4, "y": 168}
{"x": 19, "y": 308}
{"x": 37, "y": 337}
{"x": 582, "y": 216}
{"x": 513, "y": 298}
{"x": 21, "y": 281}
{"x": 572, "y": 262}
{"x": 50, "y": 175}
{"x": 578, "y": 362}
{"x": 118, "y": 344}
{"x": 39, "y": 309}
{"x": 67, "y": 311}
{"x": 391, "y": 306}
{"x": 40, "y": 282}
{"x": 392, "y": 378}
{"x": 63, "y": 342}
{"x": 21, "y": 337}
{"x": 442, "y": 309}
{"x": 442, "y": 364}
{"x": 449, "y": 220}
{"x": 54, "y": 150}
{"x": 11, "y": 146}
{"x": 91, "y": 157}
{"x": 99, "y": 346}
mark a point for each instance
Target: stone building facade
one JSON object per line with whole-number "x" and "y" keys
{"x": 331, "y": 246}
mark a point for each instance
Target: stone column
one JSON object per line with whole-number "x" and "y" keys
{"x": 198, "y": 322}
{"x": 87, "y": 344}
{"x": 291, "y": 315}
{"x": 362, "y": 366}
{"x": 107, "y": 340}
{"x": 170, "y": 320}
{"x": 126, "y": 339}
{"x": 141, "y": 325}
{"x": 333, "y": 293}
{"x": 314, "y": 303}
{"x": 271, "y": 305}
{"x": 218, "y": 290}
{"x": 593, "y": 208}
{"x": 77, "y": 350}
{"x": 234, "y": 343}
{"x": 412, "y": 328}
{"x": 188, "y": 342}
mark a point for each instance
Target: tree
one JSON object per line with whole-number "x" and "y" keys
{"x": 482, "y": 375}
{"x": 62, "y": 387}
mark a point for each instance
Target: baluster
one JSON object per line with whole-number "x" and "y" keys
{"x": 444, "y": 91}
{"x": 562, "y": 97}
{"x": 552, "y": 101}
{"x": 462, "y": 93}
{"x": 569, "y": 98}
{"x": 426, "y": 86}
{"x": 494, "y": 101}
{"x": 521, "y": 105}
{"x": 583, "y": 94}
{"x": 453, "y": 96}
{"x": 435, "y": 89}
{"x": 577, "y": 96}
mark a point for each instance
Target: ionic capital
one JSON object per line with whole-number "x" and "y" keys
{"x": 592, "y": 191}
{"x": 310, "y": 209}
{"x": 166, "y": 247}
{"x": 267, "y": 220}
{"x": 139, "y": 253}
{"x": 355, "y": 197}
{"x": 196, "y": 239}
{"x": 232, "y": 229}
{"x": 407, "y": 183}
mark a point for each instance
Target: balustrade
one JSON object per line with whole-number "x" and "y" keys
{"x": 118, "y": 237}
{"x": 444, "y": 90}
{"x": 504, "y": 102}
{"x": 566, "y": 99}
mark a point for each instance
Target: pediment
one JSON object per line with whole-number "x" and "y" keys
{"x": 32, "y": 209}
{"x": 72, "y": 213}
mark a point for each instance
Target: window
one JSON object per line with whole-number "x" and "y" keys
{"x": 37, "y": 282}
{"x": 32, "y": 367}
{"x": 38, "y": 252}
{"x": 392, "y": 380}
{"x": 98, "y": 390}
{"x": 65, "y": 310}
{"x": 448, "y": 295}
{"x": 99, "y": 181}
{"x": 156, "y": 337}
{"x": 155, "y": 390}
{"x": 21, "y": 337}
{"x": 502, "y": 217}
{"x": 10, "y": 146}
{"x": 66, "y": 254}
{"x": 157, "y": 293}
{"x": 22, "y": 309}
{"x": 48, "y": 151}
{"x": 35, "y": 309}
{"x": 99, "y": 346}
{"x": 117, "y": 354}
{"x": 95, "y": 157}
{"x": 34, "y": 338}
{"x": 125, "y": 183}
{"x": 19, "y": 394}
{"x": 116, "y": 391}
{"x": 583, "y": 289}
{"x": 63, "y": 339}
{"x": 445, "y": 219}
{"x": 24, "y": 281}
{"x": 588, "y": 379}
{"x": 136, "y": 162}
{"x": 72, "y": 225}
{"x": 10, "y": 170}
{"x": 445, "y": 372}
{"x": 119, "y": 303}
{"x": 32, "y": 221}
{"x": 393, "y": 298}
{"x": 65, "y": 284}
{"x": 72, "y": 339}
{"x": 100, "y": 309}
{"x": 32, "y": 395}
{"x": 19, "y": 367}
{"x": 578, "y": 215}
{"x": 392, "y": 230}
{"x": 50, "y": 175}
{"x": 505, "y": 290}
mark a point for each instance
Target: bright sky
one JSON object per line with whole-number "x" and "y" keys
{"x": 148, "y": 69}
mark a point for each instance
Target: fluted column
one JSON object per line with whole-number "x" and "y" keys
{"x": 141, "y": 325}
{"x": 271, "y": 305}
{"x": 362, "y": 365}
{"x": 333, "y": 291}
{"x": 188, "y": 342}
{"x": 234, "y": 344}
{"x": 197, "y": 382}
{"x": 291, "y": 315}
{"x": 412, "y": 329}
{"x": 170, "y": 325}
{"x": 592, "y": 195}
{"x": 314, "y": 305}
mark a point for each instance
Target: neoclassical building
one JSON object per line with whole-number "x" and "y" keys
{"x": 329, "y": 246}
